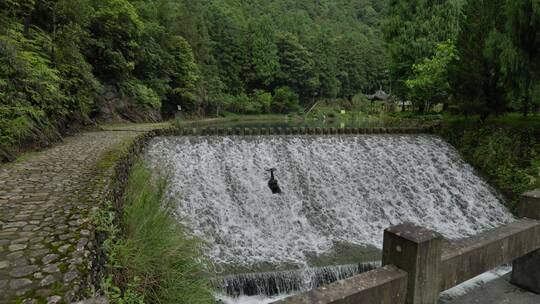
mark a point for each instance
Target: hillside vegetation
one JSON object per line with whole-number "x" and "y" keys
{"x": 66, "y": 63}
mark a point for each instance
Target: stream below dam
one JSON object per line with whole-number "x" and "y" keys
{"x": 338, "y": 195}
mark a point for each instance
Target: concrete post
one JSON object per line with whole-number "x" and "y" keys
{"x": 529, "y": 205}
{"x": 526, "y": 269}
{"x": 417, "y": 251}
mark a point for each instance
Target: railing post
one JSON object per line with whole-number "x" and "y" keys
{"x": 526, "y": 270}
{"x": 417, "y": 251}
{"x": 529, "y": 205}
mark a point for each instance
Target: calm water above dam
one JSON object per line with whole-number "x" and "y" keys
{"x": 339, "y": 194}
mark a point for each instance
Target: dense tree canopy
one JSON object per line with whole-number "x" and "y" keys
{"x": 476, "y": 77}
{"x": 64, "y": 62}
{"x": 497, "y": 60}
{"x": 413, "y": 28}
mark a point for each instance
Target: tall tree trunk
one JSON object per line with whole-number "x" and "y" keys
{"x": 484, "y": 116}
{"x": 445, "y": 106}
{"x": 527, "y": 100}
{"x": 422, "y": 107}
{"x": 27, "y": 20}
{"x": 526, "y": 106}
{"x": 53, "y": 44}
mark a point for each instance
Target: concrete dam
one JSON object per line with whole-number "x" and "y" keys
{"x": 338, "y": 194}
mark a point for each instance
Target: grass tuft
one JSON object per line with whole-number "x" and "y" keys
{"x": 153, "y": 259}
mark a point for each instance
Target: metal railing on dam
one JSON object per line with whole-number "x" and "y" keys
{"x": 420, "y": 263}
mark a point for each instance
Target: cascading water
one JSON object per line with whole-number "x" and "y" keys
{"x": 336, "y": 190}
{"x": 286, "y": 282}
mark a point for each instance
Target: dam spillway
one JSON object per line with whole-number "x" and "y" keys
{"x": 337, "y": 191}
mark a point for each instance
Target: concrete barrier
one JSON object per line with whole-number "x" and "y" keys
{"x": 529, "y": 206}
{"x": 465, "y": 259}
{"x": 417, "y": 251}
{"x": 386, "y": 285}
{"x": 526, "y": 269}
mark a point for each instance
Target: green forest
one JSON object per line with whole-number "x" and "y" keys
{"x": 65, "y": 64}
{"x": 467, "y": 71}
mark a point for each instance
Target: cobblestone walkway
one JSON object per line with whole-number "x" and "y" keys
{"x": 45, "y": 232}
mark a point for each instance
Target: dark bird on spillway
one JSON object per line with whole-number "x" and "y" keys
{"x": 273, "y": 183}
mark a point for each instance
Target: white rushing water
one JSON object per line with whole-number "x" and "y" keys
{"x": 345, "y": 189}
{"x": 288, "y": 282}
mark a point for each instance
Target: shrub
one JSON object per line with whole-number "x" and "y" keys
{"x": 261, "y": 101}
{"x": 239, "y": 104}
{"x": 31, "y": 99}
{"x": 285, "y": 100}
{"x": 508, "y": 157}
{"x": 145, "y": 96}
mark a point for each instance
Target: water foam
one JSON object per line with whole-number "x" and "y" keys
{"x": 288, "y": 282}
{"x": 344, "y": 189}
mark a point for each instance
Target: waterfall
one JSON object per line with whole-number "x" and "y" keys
{"x": 336, "y": 190}
{"x": 287, "y": 282}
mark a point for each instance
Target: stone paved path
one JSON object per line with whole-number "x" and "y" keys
{"x": 45, "y": 203}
